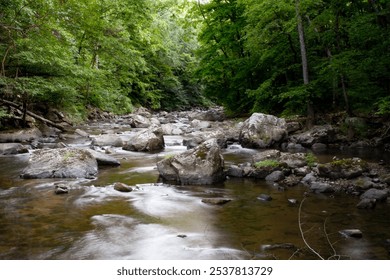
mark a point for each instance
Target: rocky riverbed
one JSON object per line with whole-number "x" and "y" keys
{"x": 200, "y": 153}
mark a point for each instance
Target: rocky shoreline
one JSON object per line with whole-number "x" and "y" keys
{"x": 283, "y": 153}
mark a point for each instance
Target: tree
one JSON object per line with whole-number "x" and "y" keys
{"x": 223, "y": 58}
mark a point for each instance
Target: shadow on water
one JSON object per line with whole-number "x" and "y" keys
{"x": 159, "y": 221}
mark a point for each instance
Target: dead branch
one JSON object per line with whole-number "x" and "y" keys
{"x": 42, "y": 119}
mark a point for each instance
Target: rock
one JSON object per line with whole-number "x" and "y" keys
{"x": 112, "y": 140}
{"x": 20, "y": 136}
{"x": 320, "y": 187}
{"x": 351, "y": 233}
{"x": 366, "y": 203}
{"x": 319, "y": 134}
{"x": 120, "y": 187}
{"x": 103, "y": 159}
{"x": 275, "y": 176}
{"x": 379, "y": 195}
{"x": 139, "y": 121}
{"x": 150, "y": 140}
{"x": 363, "y": 183}
{"x": 12, "y": 149}
{"x": 61, "y": 189}
{"x": 343, "y": 169}
{"x": 319, "y": 147}
{"x": 291, "y": 181}
{"x": 235, "y": 171}
{"x": 293, "y": 127}
{"x": 268, "y": 247}
{"x": 293, "y": 160}
{"x": 292, "y": 201}
{"x": 216, "y": 201}
{"x": 266, "y": 155}
{"x": 264, "y": 197}
{"x": 293, "y": 147}
{"x": 309, "y": 178}
{"x": 193, "y": 139}
{"x": 171, "y": 129}
{"x": 60, "y": 163}
{"x": 214, "y": 115}
{"x": 262, "y": 131}
{"x": 302, "y": 171}
{"x": 197, "y": 124}
{"x": 143, "y": 112}
{"x": 82, "y": 133}
{"x": 202, "y": 165}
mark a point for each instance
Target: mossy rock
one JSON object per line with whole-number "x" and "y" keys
{"x": 348, "y": 168}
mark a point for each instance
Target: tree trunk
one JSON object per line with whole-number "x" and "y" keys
{"x": 305, "y": 68}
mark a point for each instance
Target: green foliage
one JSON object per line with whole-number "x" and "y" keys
{"x": 311, "y": 159}
{"x": 176, "y": 54}
{"x": 267, "y": 163}
{"x": 347, "y": 47}
{"x": 107, "y": 54}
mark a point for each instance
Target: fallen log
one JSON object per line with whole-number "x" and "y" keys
{"x": 42, "y": 119}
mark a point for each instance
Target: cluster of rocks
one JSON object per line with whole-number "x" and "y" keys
{"x": 205, "y": 133}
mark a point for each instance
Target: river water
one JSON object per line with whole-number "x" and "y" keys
{"x": 159, "y": 221}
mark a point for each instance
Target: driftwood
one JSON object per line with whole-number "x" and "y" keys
{"x": 42, "y": 119}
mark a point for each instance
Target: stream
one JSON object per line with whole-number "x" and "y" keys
{"x": 165, "y": 222}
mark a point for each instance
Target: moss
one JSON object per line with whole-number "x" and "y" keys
{"x": 347, "y": 162}
{"x": 311, "y": 159}
{"x": 169, "y": 156}
{"x": 201, "y": 153}
{"x": 267, "y": 163}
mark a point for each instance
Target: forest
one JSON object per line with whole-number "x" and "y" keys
{"x": 287, "y": 57}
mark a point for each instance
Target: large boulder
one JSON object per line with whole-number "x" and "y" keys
{"x": 113, "y": 140}
{"x": 262, "y": 131}
{"x": 193, "y": 139}
{"x": 139, "y": 121}
{"x": 12, "y": 149}
{"x": 60, "y": 163}
{"x": 202, "y": 165}
{"x": 319, "y": 134}
{"x": 149, "y": 140}
{"x": 20, "y": 136}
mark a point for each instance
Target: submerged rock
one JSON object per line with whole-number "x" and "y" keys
{"x": 264, "y": 197}
{"x": 275, "y": 176}
{"x": 321, "y": 187}
{"x": 201, "y": 165}
{"x": 60, "y": 163}
{"x": 379, "y": 195}
{"x": 121, "y": 187}
{"x": 366, "y": 203}
{"x": 356, "y": 233}
{"x": 216, "y": 201}
{"x": 61, "y": 189}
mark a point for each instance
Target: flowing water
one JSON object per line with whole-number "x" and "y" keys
{"x": 159, "y": 221}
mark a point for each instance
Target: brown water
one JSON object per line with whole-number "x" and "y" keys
{"x": 158, "y": 221}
